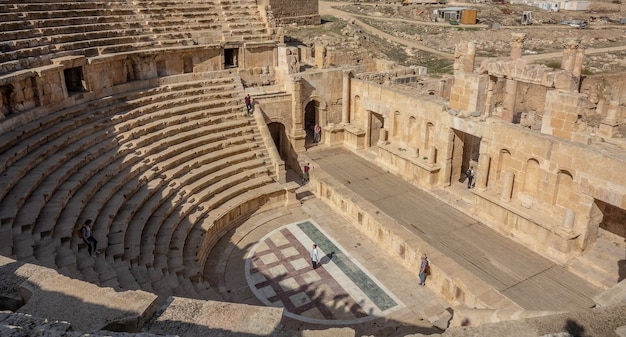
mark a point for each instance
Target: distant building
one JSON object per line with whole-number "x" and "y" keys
{"x": 557, "y": 5}
{"x": 457, "y": 14}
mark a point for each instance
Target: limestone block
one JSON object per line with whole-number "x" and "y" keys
{"x": 85, "y": 305}
{"x": 614, "y": 295}
{"x": 564, "y": 80}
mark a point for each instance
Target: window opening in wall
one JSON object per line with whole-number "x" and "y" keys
{"x": 5, "y": 100}
{"x": 231, "y": 56}
{"x": 187, "y": 64}
{"x": 161, "y": 68}
{"x": 74, "y": 81}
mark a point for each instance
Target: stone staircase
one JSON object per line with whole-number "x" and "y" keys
{"x": 154, "y": 168}
{"x": 596, "y": 268}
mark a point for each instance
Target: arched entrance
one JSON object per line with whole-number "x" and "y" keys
{"x": 5, "y": 100}
{"x": 311, "y": 117}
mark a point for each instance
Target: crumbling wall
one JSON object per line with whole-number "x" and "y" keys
{"x": 301, "y": 12}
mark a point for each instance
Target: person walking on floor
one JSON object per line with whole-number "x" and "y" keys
{"x": 470, "y": 177}
{"x": 305, "y": 173}
{"x": 423, "y": 270}
{"x": 88, "y": 238}
{"x": 314, "y": 256}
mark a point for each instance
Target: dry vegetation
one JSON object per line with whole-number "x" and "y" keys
{"x": 414, "y": 23}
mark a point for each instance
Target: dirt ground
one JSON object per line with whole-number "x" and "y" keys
{"x": 342, "y": 26}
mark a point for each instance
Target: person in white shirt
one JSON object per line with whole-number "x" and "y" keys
{"x": 314, "y": 256}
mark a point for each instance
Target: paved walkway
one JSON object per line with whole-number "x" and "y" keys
{"x": 533, "y": 282}
{"x": 265, "y": 261}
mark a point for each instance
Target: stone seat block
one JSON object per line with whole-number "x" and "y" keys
{"x": 162, "y": 234}
{"x": 187, "y": 288}
{"x": 140, "y": 272}
{"x": 89, "y": 199}
{"x": 125, "y": 278}
{"x": 49, "y": 188}
{"x": 173, "y": 107}
{"x": 106, "y": 273}
{"x": 74, "y": 13}
{"x": 247, "y": 201}
{"x": 84, "y": 20}
{"x": 62, "y": 152}
{"x": 85, "y": 305}
{"x": 68, "y": 189}
{"x": 24, "y": 53}
{"x": 89, "y": 44}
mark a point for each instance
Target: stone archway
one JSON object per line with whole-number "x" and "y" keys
{"x": 311, "y": 117}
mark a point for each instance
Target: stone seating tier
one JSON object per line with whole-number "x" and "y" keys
{"x": 31, "y": 33}
{"x": 91, "y": 174}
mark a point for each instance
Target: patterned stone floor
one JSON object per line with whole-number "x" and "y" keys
{"x": 339, "y": 291}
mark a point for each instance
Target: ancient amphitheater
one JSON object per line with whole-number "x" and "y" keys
{"x": 132, "y": 114}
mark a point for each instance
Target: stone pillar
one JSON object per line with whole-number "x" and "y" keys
{"x": 442, "y": 87}
{"x": 568, "y": 220}
{"x": 345, "y": 107}
{"x": 507, "y": 186}
{"x": 579, "y": 60}
{"x": 517, "y": 44}
{"x": 382, "y": 136}
{"x": 297, "y": 113}
{"x": 484, "y": 160}
{"x": 569, "y": 55}
{"x": 489, "y": 98}
{"x": 609, "y": 126}
{"x": 470, "y": 57}
{"x": 508, "y": 103}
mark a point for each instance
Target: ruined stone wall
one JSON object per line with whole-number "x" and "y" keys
{"x": 301, "y": 12}
{"x": 534, "y": 187}
{"x": 325, "y": 87}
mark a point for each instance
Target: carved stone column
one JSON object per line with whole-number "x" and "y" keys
{"x": 489, "y": 99}
{"x": 609, "y": 126}
{"x": 579, "y": 60}
{"x": 297, "y": 113}
{"x": 507, "y": 186}
{"x": 484, "y": 160}
{"x": 508, "y": 103}
{"x": 345, "y": 107}
{"x": 569, "y": 55}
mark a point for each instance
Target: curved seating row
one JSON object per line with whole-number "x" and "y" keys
{"x": 150, "y": 167}
{"x": 32, "y": 32}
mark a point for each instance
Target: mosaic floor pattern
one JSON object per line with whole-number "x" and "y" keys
{"x": 340, "y": 290}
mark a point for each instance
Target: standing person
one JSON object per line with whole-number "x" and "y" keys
{"x": 305, "y": 173}
{"x": 317, "y": 133}
{"x": 88, "y": 238}
{"x": 248, "y": 103}
{"x": 314, "y": 256}
{"x": 470, "y": 176}
{"x": 423, "y": 270}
